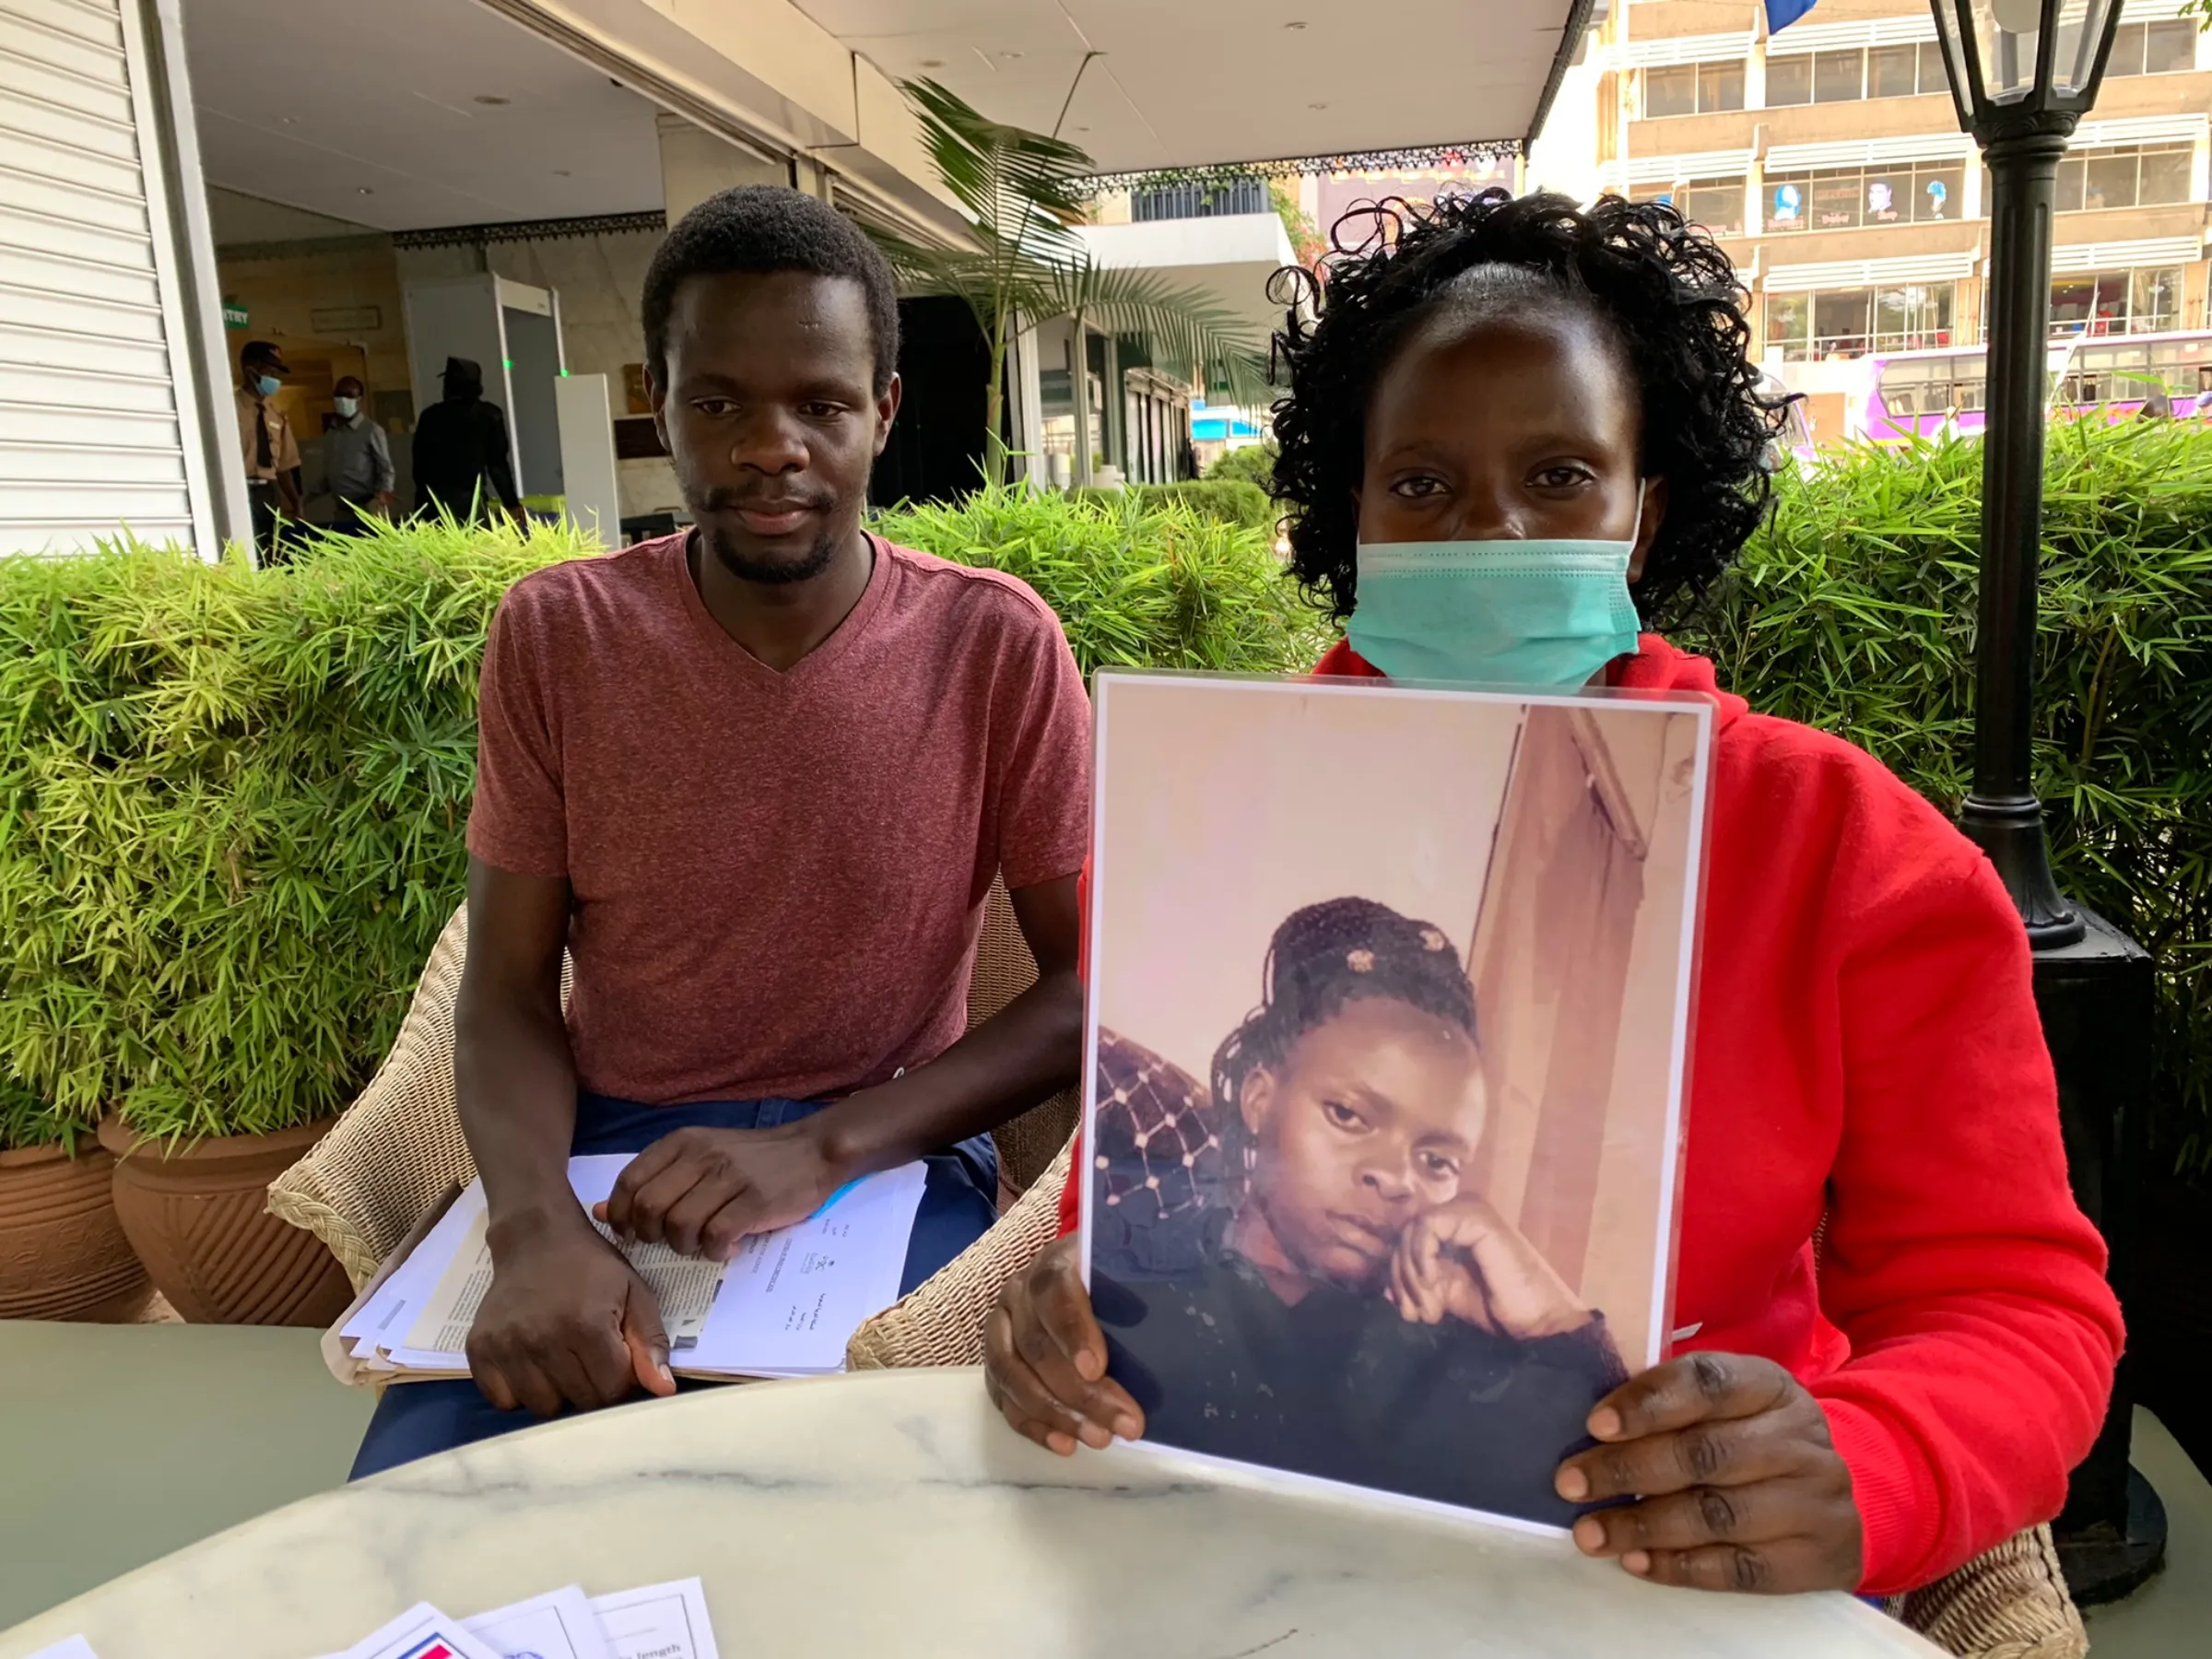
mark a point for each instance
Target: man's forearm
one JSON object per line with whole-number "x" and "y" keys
{"x": 1028, "y": 1052}
{"x": 516, "y": 1084}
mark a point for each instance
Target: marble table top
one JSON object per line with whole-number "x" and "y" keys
{"x": 890, "y": 1512}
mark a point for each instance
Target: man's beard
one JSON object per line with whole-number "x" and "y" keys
{"x": 769, "y": 573}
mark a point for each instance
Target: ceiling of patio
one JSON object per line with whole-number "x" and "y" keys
{"x": 412, "y": 113}
{"x": 405, "y": 114}
{"x": 1178, "y": 82}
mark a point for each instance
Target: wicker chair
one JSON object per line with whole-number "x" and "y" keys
{"x": 399, "y": 1149}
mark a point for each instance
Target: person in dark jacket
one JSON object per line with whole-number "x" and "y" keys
{"x": 462, "y": 460}
{"x": 1349, "y": 1306}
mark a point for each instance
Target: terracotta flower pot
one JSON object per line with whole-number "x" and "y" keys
{"x": 63, "y": 1255}
{"x": 198, "y": 1217}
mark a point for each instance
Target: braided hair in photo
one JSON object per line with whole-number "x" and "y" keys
{"x": 1663, "y": 289}
{"x": 1320, "y": 959}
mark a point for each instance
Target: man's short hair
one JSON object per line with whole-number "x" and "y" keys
{"x": 766, "y": 228}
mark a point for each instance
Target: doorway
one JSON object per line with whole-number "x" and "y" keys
{"x": 534, "y": 365}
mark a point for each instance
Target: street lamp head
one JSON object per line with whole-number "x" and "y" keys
{"x": 2024, "y": 65}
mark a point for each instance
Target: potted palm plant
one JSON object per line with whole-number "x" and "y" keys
{"x": 1023, "y": 194}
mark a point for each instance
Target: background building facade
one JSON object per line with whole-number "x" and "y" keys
{"x": 1829, "y": 159}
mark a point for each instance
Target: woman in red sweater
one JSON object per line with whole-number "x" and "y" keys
{"x": 1497, "y": 371}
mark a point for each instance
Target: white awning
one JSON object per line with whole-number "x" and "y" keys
{"x": 1678, "y": 49}
{"x": 1229, "y": 258}
{"x": 2126, "y": 255}
{"x": 1800, "y": 38}
{"x": 1872, "y": 152}
{"x": 2139, "y": 129}
{"x": 1867, "y": 272}
{"x": 1668, "y": 169}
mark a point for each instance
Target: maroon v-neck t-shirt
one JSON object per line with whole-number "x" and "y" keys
{"x": 778, "y": 878}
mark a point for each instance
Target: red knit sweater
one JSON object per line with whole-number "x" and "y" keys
{"x": 1867, "y": 1045}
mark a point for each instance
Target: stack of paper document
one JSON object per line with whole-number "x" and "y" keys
{"x": 784, "y": 1306}
{"x": 661, "y": 1621}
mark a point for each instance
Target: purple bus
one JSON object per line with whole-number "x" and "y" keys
{"x": 1901, "y": 395}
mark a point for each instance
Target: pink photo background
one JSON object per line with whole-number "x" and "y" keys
{"x": 1227, "y": 805}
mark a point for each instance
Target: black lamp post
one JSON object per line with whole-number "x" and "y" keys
{"x": 2022, "y": 73}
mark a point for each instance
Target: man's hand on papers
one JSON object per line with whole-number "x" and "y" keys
{"x": 566, "y": 1321}
{"x": 702, "y": 1192}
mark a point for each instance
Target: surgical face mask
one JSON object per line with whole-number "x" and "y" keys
{"x": 348, "y": 408}
{"x": 269, "y": 385}
{"x": 1496, "y": 613}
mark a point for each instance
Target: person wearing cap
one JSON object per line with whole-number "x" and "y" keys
{"x": 271, "y": 452}
{"x": 462, "y": 459}
{"x": 356, "y": 460}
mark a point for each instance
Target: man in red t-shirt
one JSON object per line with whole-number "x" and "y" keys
{"x": 758, "y": 779}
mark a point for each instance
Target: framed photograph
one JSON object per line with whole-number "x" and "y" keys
{"x": 1389, "y": 1013}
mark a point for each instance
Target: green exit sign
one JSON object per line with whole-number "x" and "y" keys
{"x": 234, "y": 314}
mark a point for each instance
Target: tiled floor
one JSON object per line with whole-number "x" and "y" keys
{"x": 119, "y": 1444}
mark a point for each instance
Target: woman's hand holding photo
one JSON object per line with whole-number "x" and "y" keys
{"x": 1739, "y": 1485}
{"x": 1465, "y": 1260}
{"x": 1045, "y": 1359}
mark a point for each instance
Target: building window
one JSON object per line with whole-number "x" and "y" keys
{"x": 2123, "y": 178}
{"x": 1693, "y": 90}
{"x": 2101, "y": 302}
{"x": 1803, "y": 77}
{"x": 1838, "y": 77}
{"x": 1848, "y": 322}
{"x": 2153, "y": 48}
{"x": 1844, "y": 198}
{"x": 1716, "y": 204}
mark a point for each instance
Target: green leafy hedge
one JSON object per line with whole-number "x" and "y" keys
{"x": 1137, "y": 580}
{"x": 1232, "y": 501}
{"x": 1253, "y": 465}
{"x": 230, "y": 811}
{"x": 231, "y": 800}
{"x": 1854, "y": 611}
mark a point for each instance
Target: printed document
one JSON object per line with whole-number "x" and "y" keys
{"x": 784, "y": 1306}
{"x": 559, "y": 1624}
{"x": 661, "y": 1621}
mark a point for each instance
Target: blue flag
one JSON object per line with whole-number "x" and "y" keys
{"x": 1781, "y": 14}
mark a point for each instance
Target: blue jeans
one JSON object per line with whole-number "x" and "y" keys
{"x": 961, "y": 1200}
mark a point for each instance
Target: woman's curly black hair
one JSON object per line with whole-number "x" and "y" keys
{"x": 1668, "y": 290}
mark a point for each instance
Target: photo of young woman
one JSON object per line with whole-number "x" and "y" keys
{"x": 1389, "y": 991}
{"x": 1348, "y": 1305}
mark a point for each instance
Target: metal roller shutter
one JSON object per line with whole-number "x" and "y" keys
{"x": 100, "y": 429}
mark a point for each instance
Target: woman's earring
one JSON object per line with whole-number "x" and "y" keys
{"x": 1252, "y": 1157}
